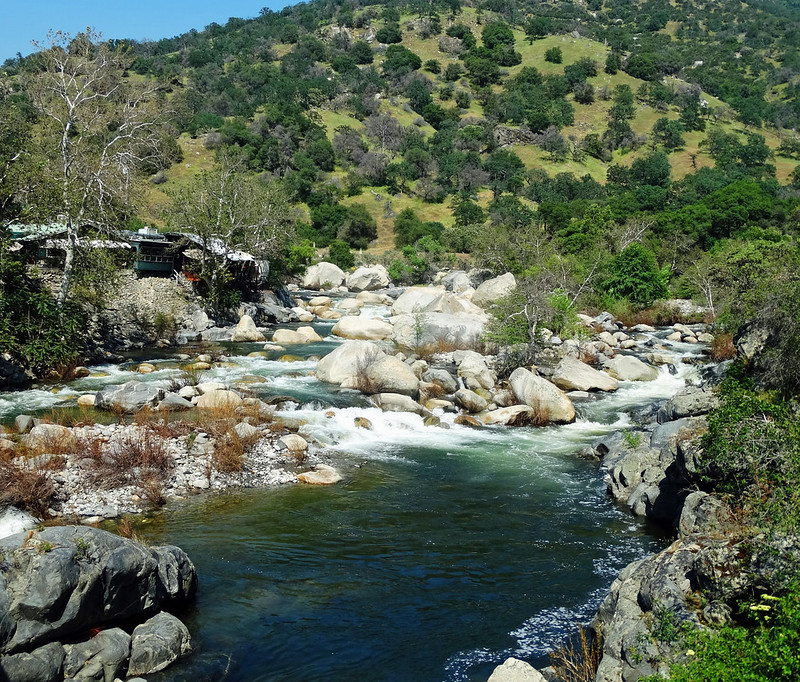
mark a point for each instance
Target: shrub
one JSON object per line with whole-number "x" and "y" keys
{"x": 28, "y": 489}
{"x": 339, "y": 254}
{"x": 634, "y": 274}
{"x": 554, "y": 55}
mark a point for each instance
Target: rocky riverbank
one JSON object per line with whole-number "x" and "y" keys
{"x": 79, "y": 603}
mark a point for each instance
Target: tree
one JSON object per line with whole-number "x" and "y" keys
{"x": 668, "y": 133}
{"x": 554, "y": 55}
{"x": 359, "y": 227}
{"x": 97, "y": 131}
{"x": 634, "y": 274}
{"x": 497, "y": 34}
{"x": 385, "y": 130}
{"x": 229, "y": 211}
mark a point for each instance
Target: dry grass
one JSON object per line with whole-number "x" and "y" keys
{"x": 27, "y": 489}
{"x": 722, "y": 348}
{"x": 133, "y": 457}
{"x": 577, "y": 659}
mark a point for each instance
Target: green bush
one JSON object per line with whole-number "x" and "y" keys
{"x": 339, "y": 254}
{"x": 554, "y": 55}
{"x": 634, "y": 274}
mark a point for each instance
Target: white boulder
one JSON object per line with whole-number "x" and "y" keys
{"x": 348, "y": 361}
{"x": 549, "y": 402}
{"x": 492, "y": 290}
{"x": 573, "y": 375}
{"x": 368, "y": 278}
{"x": 323, "y": 276}
{"x": 629, "y": 368}
{"x": 365, "y": 328}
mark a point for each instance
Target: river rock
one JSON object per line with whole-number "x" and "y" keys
{"x": 438, "y": 332}
{"x": 348, "y": 361}
{"x": 321, "y": 475}
{"x": 208, "y": 386}
{"x": 368, "y": 278}
{"x": 296, "y": 336}
{"x": 548, "y": 401}
{"x": 473, "y": 369}
{"x": 690, "y": 402}
{"x": 13, "y": 520}
{"x": 469, "y": 400}
{"x": 44, "y": 664}
{"x": 50, "y": 437}
{"x": 415, "y": 300}
{"x": 64, "y": 580}
{"x": 516, "y": 415}
{"x": 629, "y": 368}
{"x": 156, "y": 643}
{"x": 23, "y": 423}
{"x": 303, "y": 315}
{"x": 364, "y": 328}
{"x": 391, "y": 375}
{"x": 128, "y": 398}
{"x": 320, "y": 302}
{"x": 468, "y": 420}
{"x": 350, "y": 306}
{"x": 86, "y": 400}
{"x": 293, "y": 443}
{"x": 173, "y": 402}
{"x": 514, "y": 670}
{"x": 323, "y": 276}
{"x": 703, "y": 513}
{"x": 457, "y": 281}
{"x": 573, "y": 375}
{"x": 442, "y": 378}
{"x": 219, "y": 399}
{"x": 372, "y": 298}
{"x": 102, "y": 657}
{"x": 492, "y": 290}
{"x": 396, "y": 402}
{"x": 246, "y": 331}
{"x": 362, "y": 423}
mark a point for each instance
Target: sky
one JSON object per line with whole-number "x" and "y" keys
{"x": 22, "y": 22}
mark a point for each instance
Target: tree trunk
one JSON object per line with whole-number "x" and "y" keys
{"x": 72, "y": 242}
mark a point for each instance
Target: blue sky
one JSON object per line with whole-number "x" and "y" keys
{"x": 22, "y": 22}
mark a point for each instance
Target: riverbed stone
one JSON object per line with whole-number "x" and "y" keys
{"x": 438, "y": 332}
{"x": 157, "y": 643}
{"x": 23, "y": 423}
{"x": 50, "y": 437}
{"x": 323, "y": 276}
{"x": 64, "y": 580}
{"x": 296, "y": 336}
{"x": 469, "y": 400}
{"x": 348, "y": 361}
{"x": 573, "y": 375}
{"x": 472, "y": 368}
{"x": 689, "y": 402}
{"x": 322, "y": 474}
{"x": 515, "y": 670}
{"x": 86, "y": 400}
{"x": 293, "y": 443}
{"x": 246, "y": 331}
{"x": 397, "y": 402}
{"x": 130, "y": 397}
{"x": 629, "y": 368}
{"x": 368, "y": 278}
{"x": 173, "y": 402}
{"x": 549, "y": 402}
{"x": 221, "y": 398}
{"x": 442, "y": 378}
{"x": 44, "y": 664}
{"x": 391, "y": 375}
{"x": 492, "y": 290}
{"x": 102, "y": 657}
{"x": 363, "y": 328}
{"x": 516, "y": 415}
{"x": 415, "y": 300}
{"x": 373, "y": 298}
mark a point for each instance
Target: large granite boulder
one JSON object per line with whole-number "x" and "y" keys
{"x": 296, "y": 336}
{"x": 364, "y": 328}
{"x": 573, "y": 375}
{"x": 549, "y": 402}
{"x": 493, "y": 290}
{"x": 470, "y": 401}
{"x": 45, "y": 664}
{"x": 219, "y": 399}
{"x": 323, "y": 276}
{"x": 515, "y": 415}
{"x": 348, "y": 362}
{"x": 690, "y": 402}
{"x": 102, "y": 657}
{"x": 472, "y": 368}
{"x": 129, "y": 397}
{"x": 156, "y": 643}
{"x": 64, "y": 580}
{"x": 368, "y": 278}
{"x": 391, "y": 375}
{"x": 629, "y": 368}
{"x": 438, "y": 331}
{"x": 396, "y": 402}
{"x": 514, "y": 670}
{"x": 442, "y": 378}
{"x": 50, "y": 438}
{"x": 416, "y": 300}
{"x": 457, "y": 281}
{"x": 246, "y": 331}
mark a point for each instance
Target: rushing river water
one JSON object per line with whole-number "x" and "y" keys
{"x": 441, "y": 553}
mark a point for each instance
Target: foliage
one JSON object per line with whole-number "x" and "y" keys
{"x": 752, "y": 452}
{"x": 634, "y": 274}
{"x": 339, "y": 254}
{"x": 553, "y": 55}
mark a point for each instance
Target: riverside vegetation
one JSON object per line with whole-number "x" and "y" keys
{"x": 610, "y": 155}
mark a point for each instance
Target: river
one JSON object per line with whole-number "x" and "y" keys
{"x": 441, "y": 553}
